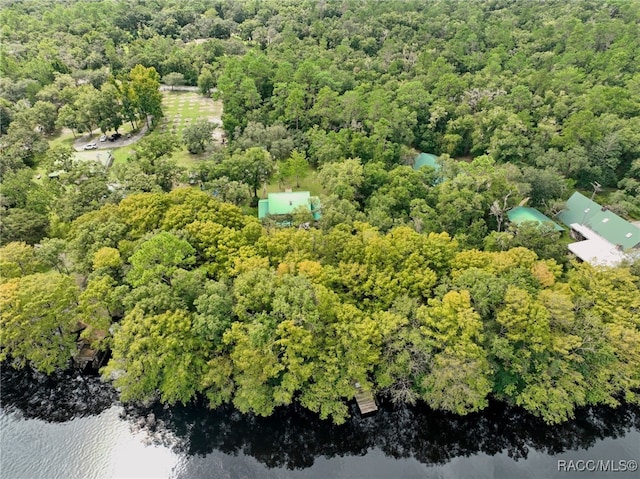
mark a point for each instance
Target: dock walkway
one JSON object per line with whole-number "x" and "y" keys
{"x": 366, "y": 401}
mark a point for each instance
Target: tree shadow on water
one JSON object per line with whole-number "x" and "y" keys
{"x": 294, "y": 437}
{"x": 59, "y": 397}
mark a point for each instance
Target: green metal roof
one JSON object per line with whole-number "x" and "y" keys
{"x": 263, "y": 208}
{"x": 285, "y": 203}
{"x": 520, "y": 214}
{"x": 583, "y": 211}
{"x": 426, "y": 159}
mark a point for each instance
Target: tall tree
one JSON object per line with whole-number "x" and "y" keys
{"x": 253, "y": 167}
{"x": 38, "y": 313}
{"x": 197, "y": 135}
{"x": 144, "y": 84}
{"x": 157, "y": 355}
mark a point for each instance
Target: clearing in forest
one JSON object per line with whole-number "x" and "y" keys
{"x": 181, "y": 108}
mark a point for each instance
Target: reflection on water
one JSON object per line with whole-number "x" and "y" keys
{"x": 92, "y": 447}
{"x": 91, "y": 437}
{"x": 62, "y": 396}
{"x": 294, "y": 438}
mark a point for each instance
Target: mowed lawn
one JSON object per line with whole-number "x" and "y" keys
{"x": 180, "y": 110}
{"x": 309, "y": 183}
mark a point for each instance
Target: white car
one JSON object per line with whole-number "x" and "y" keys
{"x": 91, "y": 146}
{"x": 103, "y": 138}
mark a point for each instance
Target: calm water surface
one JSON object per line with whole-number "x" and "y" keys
{"x": 69, "y": 426}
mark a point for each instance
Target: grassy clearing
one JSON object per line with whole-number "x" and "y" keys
{"x": 62, "y": 138}
{"x": 180, "y": 110}
{"x": 309, "y": 183}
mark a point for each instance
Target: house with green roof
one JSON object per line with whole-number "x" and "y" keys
{"x": 604, "y": 238}
{"x": 426, "y": 159}
{"x": 522, "y": 214}
{"x": 430, "y": 160}
{"x": 281, "y": 205}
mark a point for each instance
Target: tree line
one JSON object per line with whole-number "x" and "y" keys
{"x": 552, "y": 87}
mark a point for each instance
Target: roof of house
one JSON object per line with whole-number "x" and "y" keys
{"x": 596, "y": 250}
{"x": 263, "y": 208}
{"x": 426, "y": 159}
{"x": 285, "y": 203}
{"x": 617, "y": 231}
{"x": 520, "y": 214}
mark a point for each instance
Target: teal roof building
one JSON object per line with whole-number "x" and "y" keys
{"x": 426, "y": 159}
{"x": 282, "y": 204}
{"x": 521, "y": 214}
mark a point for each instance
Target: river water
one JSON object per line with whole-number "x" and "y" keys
{"x": 69, "y": 426}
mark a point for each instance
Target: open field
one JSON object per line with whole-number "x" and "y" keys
{"x": 180, "y": 109}
{"x": 309, "y": 183}
{"x": 183, "y": 108}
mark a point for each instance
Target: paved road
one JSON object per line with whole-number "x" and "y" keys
{"x": 108, "y": 145}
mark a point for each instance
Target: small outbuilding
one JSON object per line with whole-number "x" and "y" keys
{"x": 522, "y": 214}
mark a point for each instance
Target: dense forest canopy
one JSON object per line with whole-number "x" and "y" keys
{"x": 413, "y": 283}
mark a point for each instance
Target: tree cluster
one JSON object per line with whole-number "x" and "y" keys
{"x": 202, "y": 300}
{"x": 414, "y": 284}
{"x": 79, "y": 106}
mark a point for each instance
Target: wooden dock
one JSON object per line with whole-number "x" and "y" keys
{"x": 86, "y": 355}
{"x": 366, "y": 401}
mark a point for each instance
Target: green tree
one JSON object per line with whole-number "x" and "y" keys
{"x": 38, "y": 313}
{"x": 109, "y": 108}
{"x": 23, "y": 147}
{"x": 298, "y": 165}
{"x": 144, "y": 84}
{"x": 156, "y": 146}
{"x": 214, "y": 313}
{"x": 174, "y": 79}
{"x": 52, "y": 252}
{"x": 44, "y": 115}
{"x": 68, "y": 118}
{"x": 157, "y": 259}
{"x": 206, "y": 81}
{"x": 197, "y": 135}
{"x": 253, "y": 167}
{"x": 19, "y": 224}
{"x": 460, "y": 378}
{"x": 156, "y": 355}
{"x": 234, "y": 192}
{"x": 18, "y": 259}
{"x": 342, "y": 178}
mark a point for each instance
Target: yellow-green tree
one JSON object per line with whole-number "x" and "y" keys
{"x": 38, "y": 313}
{"x": 157, "y": 356}
{"x": 460, "y": 377}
